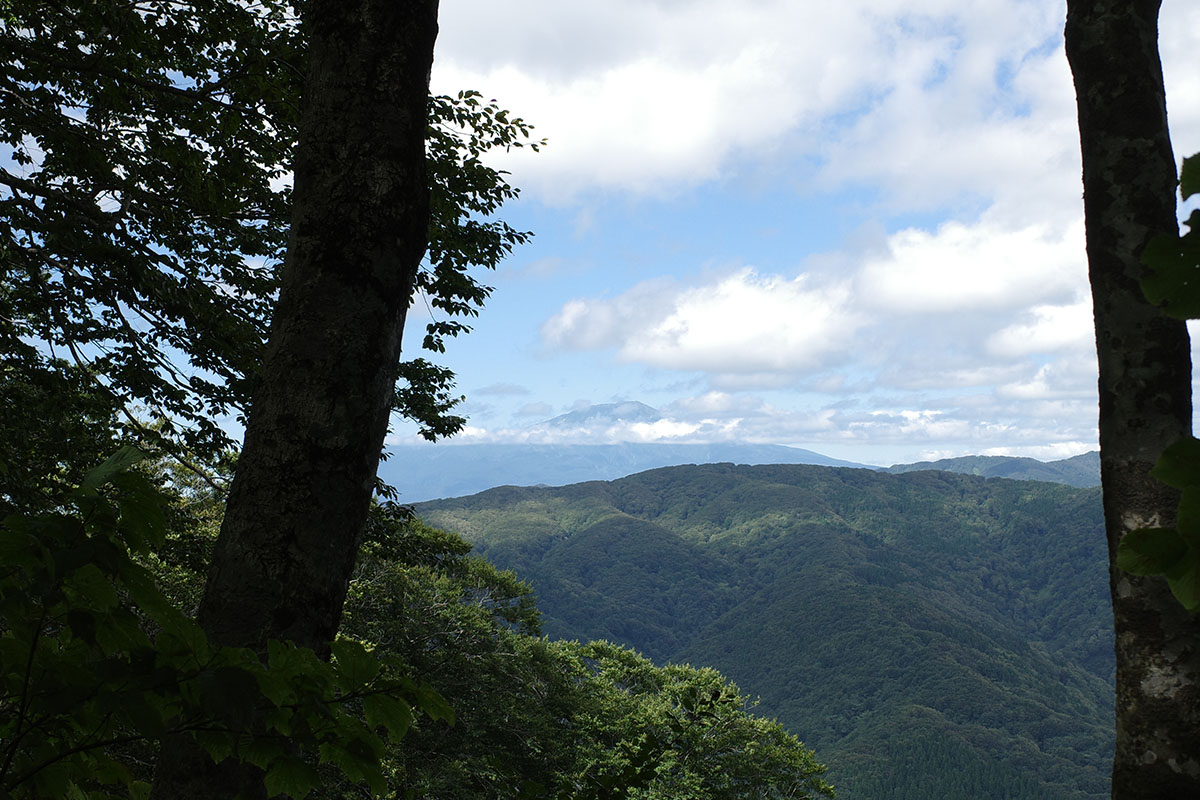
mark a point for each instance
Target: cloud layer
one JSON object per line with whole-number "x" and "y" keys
{"x": 964, "y": 326}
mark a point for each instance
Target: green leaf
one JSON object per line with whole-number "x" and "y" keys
{"x": 54, "y": 780}
{"x": 1151, "y": 551}
{"x": 183, "y": 636}
{"x": 275, "y": 687}
{"x": 373, "y": 774}
{"x": 217, "y": 744}
{"x": 119, "y": 461}
{"x": 230, "y": 693}
{"x": 292, "y": 777}
{"x": 390, "y": 712}
{"x": 120, "y": 632}
{"x": 1174, "y": 278}
{"x": 1179, "y": 465}
{"x": 286, "y": 659}
{"x": 16, "y": 544}
{"x": 82, "y": 624}
{"x": 333, "y": 752}
{"x": 145, "y": 593}
{"x": 143, "y": 522}
{"x": 261, "y": 752}
{"x": 145, "y": 717}
{"x": 355, "y": 665}
{"x": 434, "y": 705}
{"x": 1184, "y": 581}
{"x": 92, "y": 588}
{"x": 279, "y": 719}
{"x": 1189, "y": 176}
{"x": 1187, "y": 518}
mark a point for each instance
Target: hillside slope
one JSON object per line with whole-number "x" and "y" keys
{"x": 1081, "y": 471}
{"x": 929, "y": 634}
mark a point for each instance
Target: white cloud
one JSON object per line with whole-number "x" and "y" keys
{"x": 742, "y": 323}
{"x": 650, "y": 97}
{"x": 647, "y": 125}
{"x": 593, "y": 324}
{"x": 1178, "y": 26}
{"x": 969, "y": 331}
{"x": 662, "y": 429}
{"x": 972, "y": 134}
{"x": 974, "y": 266}
{"x": 1046, "y": 329}
{"x": 1056, "y": 381}
{"x": 918, "y": 376}
{"x": 715, "y": 402}
{"x": 931, "y": 102}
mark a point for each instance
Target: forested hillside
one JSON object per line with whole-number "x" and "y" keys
{"x": 1082, "y": 470}
{"x": 930, "y": 634}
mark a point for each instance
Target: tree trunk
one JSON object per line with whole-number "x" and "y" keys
{"x": 1145, "y": 383}
{"x": 360, "y": 224}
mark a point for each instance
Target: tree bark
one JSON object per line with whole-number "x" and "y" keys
{"x": 359, "y": 230}
{"x": 1145, "y": 383}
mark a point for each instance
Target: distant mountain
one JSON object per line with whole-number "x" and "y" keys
{"x": 607, "y": 413}
{"x": 425, "y": 472}
{"x": 929, "y": 634}
{"x": 1081, "y": 471}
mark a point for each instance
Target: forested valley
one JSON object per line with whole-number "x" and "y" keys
{"x": 928, "y": 634}
{"x": 214, "y": 220}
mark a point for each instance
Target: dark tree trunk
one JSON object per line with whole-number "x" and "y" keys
{"x": 360, "y": 223}
{"x": 1145, "y": 383}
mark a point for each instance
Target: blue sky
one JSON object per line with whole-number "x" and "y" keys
{"x": 854, "y": 227}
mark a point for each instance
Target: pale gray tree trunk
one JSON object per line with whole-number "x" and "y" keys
{"x": 1145, "y": 383}
{"x": 360, "y": 224}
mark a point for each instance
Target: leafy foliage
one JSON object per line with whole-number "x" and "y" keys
{"x": 1174, "y": 284}
{"x": 1173, "y": 553}
{"x": 534, "y": 718}
{"x": 1173, "y": 281}
{"x": 146, "y": 206}
{"x": 55, "y": 427}
{"x": 94, "y": 660}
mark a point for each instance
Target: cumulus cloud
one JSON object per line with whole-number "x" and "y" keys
{"x": 648, "y": 97}
{"x": 741, "y": 323}
{"x": 1046, "y": 329}
{"x": 715, "y": 402}
{"x": 1178, "y": 24}
{"x": 1053, "y": 382}
{"x": 974, "y": 266}
{"x": 917, "y": 376}
{"x": 967, "y": 331}
{"x": 634, "y": 95}
{"x": 963, "y": 290}
{"x": 930, "y": 102}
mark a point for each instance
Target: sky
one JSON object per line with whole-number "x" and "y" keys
{"x": 854, "y": 226}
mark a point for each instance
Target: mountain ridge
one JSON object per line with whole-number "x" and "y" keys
{"x": 426, "y": 472}
{"x": 1080, "y": 471}
{"x": 968, "y": 614}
